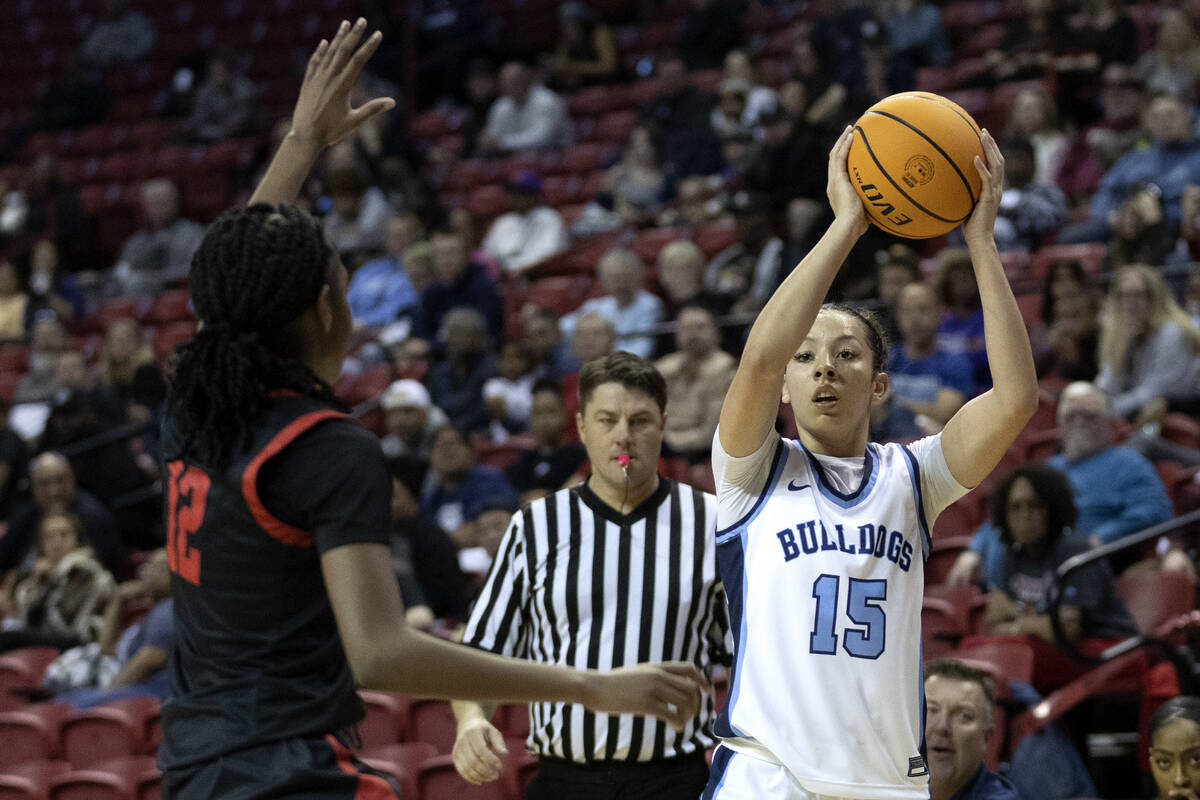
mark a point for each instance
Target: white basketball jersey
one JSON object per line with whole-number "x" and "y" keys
{"x": 825, "y": 596}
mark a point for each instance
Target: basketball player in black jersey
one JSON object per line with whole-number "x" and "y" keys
{"x": 277, "y": 514}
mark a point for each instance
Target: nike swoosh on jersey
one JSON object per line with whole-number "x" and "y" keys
{"x": 792, "y": 487}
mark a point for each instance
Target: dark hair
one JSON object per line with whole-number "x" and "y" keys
{"x": 1018, "y": 144}
{"x": 76, "y": 526}
{"x": 1185, "y": 707}
{"x": 876, "y": 338}
{"x": 457, "y": 430}
{"x": 958, "y": 671}
{"x": 256, "y": 271}
{"x": 546, "y": 385}
{"x": 950, "y": 261}
{"x": 1078, "y": 273}
{"x": 1052, "y": 489}
{"x": 626, "y": 369}
{"x": 900, "y": 255}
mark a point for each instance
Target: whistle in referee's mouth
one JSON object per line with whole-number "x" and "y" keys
{"x": 623, "y": 460}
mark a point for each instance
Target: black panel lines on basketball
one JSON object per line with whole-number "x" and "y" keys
{"x": 885, "y": 174}
{"x": 935, "y": 146}
{"x": 942, "y": 101}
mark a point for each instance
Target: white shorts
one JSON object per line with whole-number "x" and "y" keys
{"x": 737, "y": 776}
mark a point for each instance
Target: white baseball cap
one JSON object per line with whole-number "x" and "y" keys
{"x": 405, "y": 392}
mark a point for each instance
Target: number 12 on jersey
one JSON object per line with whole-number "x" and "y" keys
{"x": 863, "y": 607}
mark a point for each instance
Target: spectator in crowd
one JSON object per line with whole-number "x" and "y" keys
{"x": 1149, "y": 348}
{"x": 824, "y": 91}
{"x": 546, "y": 467}
{"x": 594, "y": 337}
{"x": 1034, "y": 512}
{"x": 683, "y": 113}
{"x": 1164, "y": 168}
{"x": 58, "y": 602}
{"x": 1174, "y": 733}
{"x": 418, "y": 267}
{"x": 123, "y": 662}
{"x": 1173, "y": 65}
{"x": 54, "y": 209}
{"x": 380, "y": 291}
{"x": 47, "y": 344}
{"x": 545, "y": 343}
{"x": 892, "y": 421}
{"x": 749, "y": 269}
{"x": 225, "y": 105}
{"x": 696, "y": 204}
{"x": 358, "y": 214}
{"x": 680, "y": 272}
{"x": 1115, "y": 490}
{"x": 468, "y": 226}
{"x": 50, "y": 288}
{"x": 726, "y": 119}
{"x": 121, "y": 36}
{"x": 1101, "y": 35}
{"x": 1030, "y": 42}
{"x": 1139, "y": 233}
{"x": 960, "y": 703}
{"x": 126, "y": 360}
{"x": 162, "y": 250}
{"x": 1029, "y": 208}
{"x": 530, "y": 231}
{"x": 760, "y": 99}
{"x": 697, "y": 374}
{"x": 1033, "y": 117}
{"x": 931, "y": 382}
{"x": 961, "y": 328}
{"x": 458, "y": 281}
{"x": 585, "y": 53}
{"x": 898, "y": 266}
{"x": 14, "y": 463}
{"x": 779, "y": 165}
{"x": 711, "y": 29}
{"x": 76, "y": 98}
{"x": 526, "y": 117}
{"x": 916, "y": 33}
{"x": 456, "y": 384}
{"x": 632, "y": 309}
{"x": 508, "y": 395}
{"x": 1067, "y": 343}
{"x": 424, "y": 558}
{"x": 640, "y": 182}
{"x": 1096, "y": 147}
{"x": 76, "y": 376}
{"x": 14, "y": 302}
{"x": 480, "y": 94}
{"x": 409, "y": 420}
{"x": 456, "y": 485}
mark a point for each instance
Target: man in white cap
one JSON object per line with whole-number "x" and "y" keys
{"x": 409, "y": 418}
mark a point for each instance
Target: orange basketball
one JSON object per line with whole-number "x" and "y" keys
{"x": 912, "y": 161}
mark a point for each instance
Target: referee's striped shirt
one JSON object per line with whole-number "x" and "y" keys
{"x": 577, "y": 583}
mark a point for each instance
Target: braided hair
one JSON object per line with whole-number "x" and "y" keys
{"x": 256, "y": 271}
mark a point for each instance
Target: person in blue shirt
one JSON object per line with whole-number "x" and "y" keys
{"x": 456, "y": 486}
{"x": 959, "y": 704}
{"x": 1117, "y": 491}
{"x": 925, "y": 378}
{"x": 380, "y": 291}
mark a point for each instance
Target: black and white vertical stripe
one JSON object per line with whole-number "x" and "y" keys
{"x": 577, "y": 583}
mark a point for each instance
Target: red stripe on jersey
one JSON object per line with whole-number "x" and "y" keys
{"x": 370, "y": 787}
{"x": 276, "y": 527}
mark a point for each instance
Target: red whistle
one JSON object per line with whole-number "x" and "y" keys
{"x": 623, "y": 460}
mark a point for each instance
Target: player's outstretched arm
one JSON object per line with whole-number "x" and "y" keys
{"x": 386, "y": 654}
{"x": 753, "y": 398}
{"x": 975, "y": 438}
{"x": 323, "y": 115}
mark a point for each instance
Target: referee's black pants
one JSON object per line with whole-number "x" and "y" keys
{"x": 680, "y": 778}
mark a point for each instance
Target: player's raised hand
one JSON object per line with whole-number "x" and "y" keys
{"x": 479, "y": 751}
{"x": 843, "y": 198}
{"x": 671, "y": 691}
{"x": 323, "y": 114}
{"x": 983, "y": 219}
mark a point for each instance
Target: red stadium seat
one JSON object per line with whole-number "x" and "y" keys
{"x": 115, "y": 779}
{"x": 586, "y": 157}
{"x": 437, "y": 778}
{"x": 648, "y": 244}
{"x": 24, "y": 667}
{"x": 1091, "y": 256}
{"x": 563, "y": 293}
{"x": 716, "y": 236}
{"x": 943, "y": 624}
{"x": 386, "y": 721}
{"x": 401, "y": 761}
{"x": 115, "y": 309}
{"x": 1153, "y": 596}
{"x": 960, "y": 518}
{"x": 170, "y": 337}
{"x": 31, "y": 734}
{"x": 513, "y": 721}
{"x": 433, "y": 722}
{"x": 519, "y": 768}
{"x": 434, "y": 123}
{"x": 1181, "y": 429}
{"x": 14, "y": 357}
{"x": 558, "y": 190}
{"x": 172, "y": 305}
{"x": 942, "y": 556}
{"x": 113, "y": 730}
{"x": 593, "y": 101}
{"x": 615, "y": 127}
{"x": 487, "y": 201}
{"x": 30, "y": 781}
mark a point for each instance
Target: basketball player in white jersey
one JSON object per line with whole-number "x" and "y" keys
{"x": 821, "y": 541}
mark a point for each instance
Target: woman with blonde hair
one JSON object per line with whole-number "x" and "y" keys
{"x": 1149, "y": 347}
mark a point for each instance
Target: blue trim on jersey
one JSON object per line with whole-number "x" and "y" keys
{"x": 731, "y": 564}
{"x": 921, "y": 749}
{"x": 717, "y": 773}
{"x": 914, "y": 472}
{"x": 772, "y": 477}
{"x": 870, "y": 473}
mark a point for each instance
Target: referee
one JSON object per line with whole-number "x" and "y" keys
{"x": 616, "y": 571}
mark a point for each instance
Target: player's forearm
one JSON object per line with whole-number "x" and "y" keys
{"x": 287, "y": 172}
{"x": 787, "y": 317}
{"x": 420, "y": 664}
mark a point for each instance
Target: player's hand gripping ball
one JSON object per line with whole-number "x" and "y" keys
{"x": 913, "y": 163}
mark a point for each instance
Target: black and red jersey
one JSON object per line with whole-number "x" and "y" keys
{"x": 257, "y": 655}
